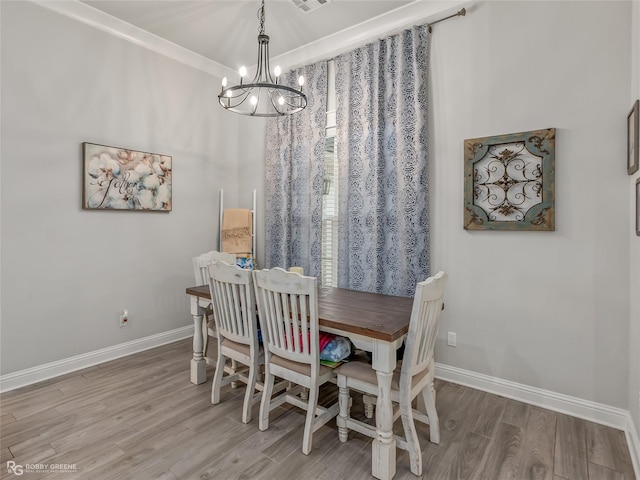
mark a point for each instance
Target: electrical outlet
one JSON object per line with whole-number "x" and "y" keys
{"x": 451, "y": 339}
{"x": 124, "y": 318}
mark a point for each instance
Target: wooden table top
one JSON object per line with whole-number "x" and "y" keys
{"x": 374, "y": 315}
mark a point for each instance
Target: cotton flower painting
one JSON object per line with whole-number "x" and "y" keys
{"x": 120, "y": 179}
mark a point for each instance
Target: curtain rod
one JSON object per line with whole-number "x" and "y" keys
{"x": 460, "y": 13}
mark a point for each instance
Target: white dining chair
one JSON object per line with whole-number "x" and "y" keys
{"x": 413, "y": 377}
{"x": 304, "y": 394}
{"x": 288, "y": 314}
{"x": 234, "y": 308}
{"x": 200, "y": 270}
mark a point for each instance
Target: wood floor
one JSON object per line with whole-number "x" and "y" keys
{"x": 140, "y": 418}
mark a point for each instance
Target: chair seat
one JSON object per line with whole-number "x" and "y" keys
{"x": 241, "y": 348}
{"x": 301, "y": 368}
{"x": 365, "y": 373}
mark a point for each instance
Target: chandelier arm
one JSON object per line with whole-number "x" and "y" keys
{"x": 274, "y": 103}
{"x": 243, "y": 96}
{"x": 255, "y": 106}
{"x": 263, "y": 74}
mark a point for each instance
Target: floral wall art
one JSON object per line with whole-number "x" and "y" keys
{"x": 121, "y": 179}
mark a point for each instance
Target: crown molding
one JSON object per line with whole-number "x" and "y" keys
{"x": 119, "y": 28}
{"x": 419, "y": 11}
{"x": 414, "y": 13}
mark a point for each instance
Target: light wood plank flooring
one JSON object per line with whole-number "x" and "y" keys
{"x": 140, "y": 418}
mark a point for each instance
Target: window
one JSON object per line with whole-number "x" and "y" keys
{"x": 329, "y": 259}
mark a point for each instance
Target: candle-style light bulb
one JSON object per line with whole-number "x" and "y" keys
{"x": 254, "y": 100}
{"x": 281, "y": 100}
{"x": 243, "y": 71}
{"x": 224, "y": 82}
{"x": 301, "y": 80}
{"x": 277, "y": 71}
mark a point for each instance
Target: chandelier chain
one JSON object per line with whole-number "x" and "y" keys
{"x": 261, "y": 31}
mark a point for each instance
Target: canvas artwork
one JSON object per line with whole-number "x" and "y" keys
{"x": 509, "y": 181}
{"x": 120, "y": 179}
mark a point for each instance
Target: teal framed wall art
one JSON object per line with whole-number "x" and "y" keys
{"x": 509, "y": 181}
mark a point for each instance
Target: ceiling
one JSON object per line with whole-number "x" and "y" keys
{"x": 226, "y": 31}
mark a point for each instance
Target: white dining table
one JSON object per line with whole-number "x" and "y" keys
{"x": 373, "y": 322}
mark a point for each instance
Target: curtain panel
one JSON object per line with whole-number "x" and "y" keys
{"x": 294, "y": 174}
{"x": 381, "y": 137}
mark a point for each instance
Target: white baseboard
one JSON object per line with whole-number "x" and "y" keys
{"x": 595, "y": 412}
{"x": 32, "y": 375}
{"x": 634, "y": 444}
{"x": 558, "y": 402}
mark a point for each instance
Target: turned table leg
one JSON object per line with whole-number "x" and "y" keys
{"x": 384, "y": 445}
{"x": 198, "y": 364}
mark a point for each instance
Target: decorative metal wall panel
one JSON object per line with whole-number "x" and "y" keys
{"x": 509, "y": 181}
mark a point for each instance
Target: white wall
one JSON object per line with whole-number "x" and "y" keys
{"x": 634, "y": 248}
{"x": 66, "y": 273}
{"x": 545, "y": 309}
{"x": 251, "y": 173}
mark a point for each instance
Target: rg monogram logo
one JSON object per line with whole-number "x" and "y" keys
{"x": 13, "y": 467}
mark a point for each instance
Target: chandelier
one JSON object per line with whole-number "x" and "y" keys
{"x": 262, "y": 97}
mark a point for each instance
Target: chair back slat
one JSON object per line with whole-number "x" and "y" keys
{"x": 201, "y": 264}
{"x": 288, "y": 312}
{"x": 233, "y": 298}
{"x": 423, "y": 326}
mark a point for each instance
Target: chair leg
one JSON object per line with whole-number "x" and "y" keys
{"x": 311, "y": 416}
{"x": 369, "y": 404}
{"x": 308, "y": 424}
{"x": 304, "y": 394}
{"x": 248, "y": 394}
{"x": 429, "y": 397}
{"x": 265, "y": 403}
{"x": 420, "y": 405}
{"x": 413, "y": 446}
{"x": 234, "y": 367}
{"x": 217, "y": 377}
{"x": 205, "y": 334}
{"x": 344, "y": 401}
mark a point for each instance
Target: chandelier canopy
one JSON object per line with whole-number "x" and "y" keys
{"x": 263, "y": 97}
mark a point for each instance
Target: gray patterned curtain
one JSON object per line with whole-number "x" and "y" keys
{"x": 294, "y": 174}
{"x": 381, "y": 136}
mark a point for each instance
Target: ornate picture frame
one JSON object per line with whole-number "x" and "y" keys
{"x": 509, "y": 181}
{"x": 633, "y": 142}
{"x": 120, "y": 179}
